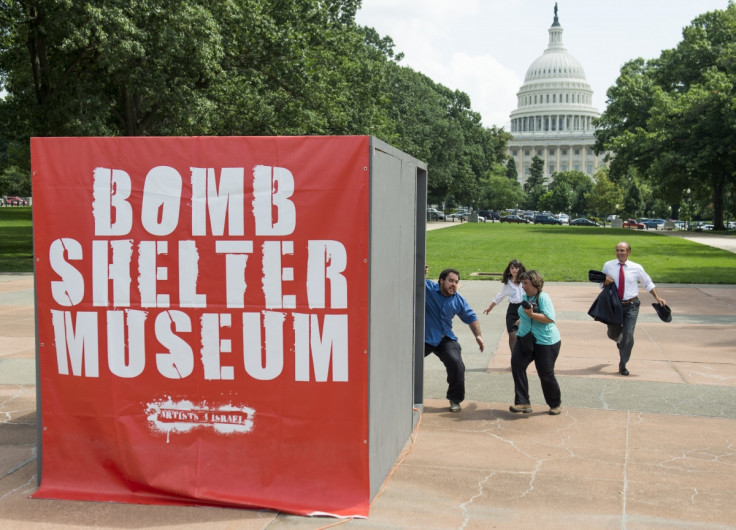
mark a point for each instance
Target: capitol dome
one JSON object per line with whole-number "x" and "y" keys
{"x": 554, "y": 116}
{"x": 555, "y": 63}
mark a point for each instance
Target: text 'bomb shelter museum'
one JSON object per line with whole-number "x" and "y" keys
{"x": 554, "y": 116}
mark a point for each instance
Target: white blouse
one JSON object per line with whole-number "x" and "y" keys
{"x": 513, "y": 292}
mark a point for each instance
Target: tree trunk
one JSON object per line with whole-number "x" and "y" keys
{"x": 718, "y": 205}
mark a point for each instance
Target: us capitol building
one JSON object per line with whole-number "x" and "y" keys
{"x": 554, "y": 116}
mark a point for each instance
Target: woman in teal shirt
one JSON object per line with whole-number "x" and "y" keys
{"x": 539, "y": 320}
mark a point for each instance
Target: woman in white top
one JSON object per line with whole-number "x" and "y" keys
{"x": 513, "y": 291}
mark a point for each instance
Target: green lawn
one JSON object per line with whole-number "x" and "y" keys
{"x": 16, "y": 239}
{"x": 566, "y": 253}
{"x": 559, "y": 253}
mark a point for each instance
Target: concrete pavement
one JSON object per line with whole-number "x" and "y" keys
{"x": 652, "y": 450}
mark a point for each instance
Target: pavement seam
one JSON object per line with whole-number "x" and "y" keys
{"x": 669, "y": 361}
{"x": 626, "y": 470}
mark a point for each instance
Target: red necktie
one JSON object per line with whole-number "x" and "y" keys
{"x": 621, "y": 282}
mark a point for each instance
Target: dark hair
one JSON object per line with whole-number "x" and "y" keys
{"x": 445, "y": 272}
{"x": 507, "y": 273}
{"x": 535, "y": 278}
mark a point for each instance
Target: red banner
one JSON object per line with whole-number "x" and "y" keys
{"x": 203, "y": 320}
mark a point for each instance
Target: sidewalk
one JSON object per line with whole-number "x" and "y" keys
{"x": 652, "y": 450}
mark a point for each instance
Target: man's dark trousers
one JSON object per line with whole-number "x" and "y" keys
{"x": 624, "y": 335}
{"x": 449, "y": 352}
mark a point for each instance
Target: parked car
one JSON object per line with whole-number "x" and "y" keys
{"x": 434, "y": 214}
{"x": 633, "y": 223}
{"x": 490, "y": 215}
{"x": 546, "y": 219}
{"x": 513, "y": 219}
{"x": 458, "y": 216}
{"x": 564, "y": 218}
{"x": 611, "y": 217}
{"x": 16, "y": 201}
{"x": 582, "y": 221}
{"x": 657, "y": 224}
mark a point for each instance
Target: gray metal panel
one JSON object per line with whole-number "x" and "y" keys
{"x": 420, "y": 259}
{"x": 393, "y": 256}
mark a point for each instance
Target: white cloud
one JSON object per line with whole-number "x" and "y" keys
{"x": 491, "y": 86}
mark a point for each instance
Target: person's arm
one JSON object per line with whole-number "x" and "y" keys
{"x": 475, "y": 328}
{"x": 649, "y": 286}
{"x": 539, "y": 317}
{"x": 661, "y": 301}
{"x": 609, "y": 279}
{"x": 506, "y": 292}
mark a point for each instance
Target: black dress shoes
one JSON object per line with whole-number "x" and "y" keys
{"x": 623, "y": 371}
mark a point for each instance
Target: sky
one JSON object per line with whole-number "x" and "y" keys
{"x": 484, "y": 47}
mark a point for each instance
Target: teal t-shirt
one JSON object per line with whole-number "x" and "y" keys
{"x": 544, "y": 333}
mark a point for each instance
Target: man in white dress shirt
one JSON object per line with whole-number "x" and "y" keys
{"x": 627, "y": 275}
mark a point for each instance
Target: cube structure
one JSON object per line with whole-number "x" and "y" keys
{"x": 232, "y": 321}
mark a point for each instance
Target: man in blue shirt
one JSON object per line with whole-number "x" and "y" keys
{"x": 442, "y": 303}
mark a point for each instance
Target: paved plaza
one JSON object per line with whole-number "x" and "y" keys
{"x": 656, "y": 449}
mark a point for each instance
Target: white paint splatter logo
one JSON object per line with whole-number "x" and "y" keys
{"x": 183, "y": 416}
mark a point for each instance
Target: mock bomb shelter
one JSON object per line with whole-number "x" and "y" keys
{"x": 231, "y": 321}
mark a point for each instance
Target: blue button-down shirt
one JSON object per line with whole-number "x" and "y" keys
{"x": 439, "y": 310}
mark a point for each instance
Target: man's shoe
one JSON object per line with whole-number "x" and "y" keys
{"x": 524, "y": 408}
{"x": 554, "y": 411}
{"x": 623, "y": 371}
{"x": 455, "y": 407}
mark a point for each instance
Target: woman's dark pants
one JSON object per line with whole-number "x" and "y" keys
{"x": 544, "y": 357}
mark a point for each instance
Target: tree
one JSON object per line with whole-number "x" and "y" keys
{"x": 673, "y": 118}
{"x": 511, "y": 172}
{"x": 605, "y": 197}
{"x": 241, "y": 67}
{"x": 557, "y": 199}
{"x": 535, "y": 184}
{"x": 436, "y": 125}
{"x": 108, "y": 67}
{"x": 632, "y": 200}
{"x": 501, "y": 193}
{"x": 577, "y": 184}
{"x": 189, "y": 67}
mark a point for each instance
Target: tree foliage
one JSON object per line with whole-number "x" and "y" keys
{"x": 674, "y": 119}
{"x": 501, "y": 192}
{"x": 236, "y": 67}
{"x": 535, "y": 185}
{"x": 511, "y": 172}
{"x": 605, "y": 197}
{"x": 571, "y": 195}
